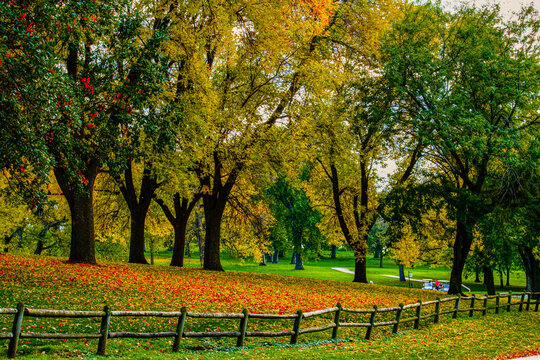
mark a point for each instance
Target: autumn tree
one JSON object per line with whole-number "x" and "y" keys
{"x": 103, "y": 68}
{"x": 469, "y": 78}
{"x": 236, "y": 82}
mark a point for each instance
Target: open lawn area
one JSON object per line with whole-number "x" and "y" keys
{"x": 51, "y": 283}
{"x": 323, "y": 269}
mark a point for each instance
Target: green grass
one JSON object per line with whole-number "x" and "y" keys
{"x": 464, "y": 338}
{"x": 323, "y": 269}
{"x": 57, "y": 286}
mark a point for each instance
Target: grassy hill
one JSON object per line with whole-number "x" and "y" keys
{"x": 51, "y": 283}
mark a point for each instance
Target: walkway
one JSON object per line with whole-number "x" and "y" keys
{"x": 349, "y": 271}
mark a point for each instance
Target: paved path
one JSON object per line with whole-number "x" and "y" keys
{"x": 397, "y": 277}
{"x": 349, "y": 271}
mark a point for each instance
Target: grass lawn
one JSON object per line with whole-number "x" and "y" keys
{"x": 51, "y": 283}
{"x": 323, "y": 269}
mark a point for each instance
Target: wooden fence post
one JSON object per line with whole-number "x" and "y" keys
{"x": 243, "y": 327}
{"x": 296, "y": 327}
{"x": 418, "y": 312}
{"x": 336, "y": 321}
{"x": 180, "y": 329}
{"x": 16, "y": 331}
{"x": 471, "y": 311}
{"x": 371, "y": 322}
{"x": 484, "y": 312}
{"x": 528, "y": 301}
{"x": 497, "y": 303}
{"x": 437, "y": 310}
{"x": 456, "y": 307}
{"x": 521, "y": 301}
{"x": 104, "y": 331}
{"x": 509, "y": 301}
{"x": 398, "y": 318}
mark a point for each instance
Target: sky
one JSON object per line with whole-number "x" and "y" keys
{"x": 507, "y": 6}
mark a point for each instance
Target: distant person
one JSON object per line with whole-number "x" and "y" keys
{"x": 371, "y": 282}
{"x": 437, "y": 284}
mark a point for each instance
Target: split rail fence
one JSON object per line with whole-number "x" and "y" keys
{"x": 502, "y": 301}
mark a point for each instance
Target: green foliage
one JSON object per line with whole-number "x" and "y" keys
{"x": 296, "y": 218}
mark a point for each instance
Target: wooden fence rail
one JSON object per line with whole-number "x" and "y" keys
{"x": 21, "y": 312}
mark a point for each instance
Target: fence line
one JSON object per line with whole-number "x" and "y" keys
{"x": 21, "y": 312}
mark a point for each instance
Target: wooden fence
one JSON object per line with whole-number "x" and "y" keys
{"x": 504, "y": 300}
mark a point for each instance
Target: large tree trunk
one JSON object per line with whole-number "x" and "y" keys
{"x": 179, "y": 249}
{"x": 82, "y": 228}
{"x": 462, "y": 246}
{"x": 215, "y": 199}
{"x": 179, "y": 220}
{"x": 489, "y": 280}
{"x": 136, "y": 242}
{"x": 358, "y": 245}
{"x": 293, "y": 258}
{"x": 138, "y": 207}
{"x": 360, "y": 274}
{"x": 213, "y": 212}
{"x": 80, "y": 201}
{"x": 334, "y": 252}
{"x": 532, "y": 268}
{"x": 299, "y": 265}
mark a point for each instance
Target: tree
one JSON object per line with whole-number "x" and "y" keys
{"x": 236, "y": 82}
{"x": 468, "y": 78}
{"x": 292, "y": 210}
{"x": 102, "y": 68}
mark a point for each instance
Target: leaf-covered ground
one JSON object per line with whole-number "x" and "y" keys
{"x": 51, "y": 283}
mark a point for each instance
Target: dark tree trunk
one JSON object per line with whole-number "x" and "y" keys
{"x": 360, "y": 274}
{"x": 501, "y": 280}
{"x": 358, "y": 245}
{"x": 80, "y": 201}
{"x": 532, "y": 268}
{"x": 334, "y": 252}
{"x": 82, "y": 229}
{"x": 489, "y": 280}
{"x": 462, "y": 246}
{"x": 263, "y": 260}
{"x": 214, "y": 200}
{"x": 213, "y": 212}
{"x": 299, "y": 263}
{"x": 179, "y": 250}
{"x": 381, "y": 261}
{"x": 179, "y": 220}
{"x": 136, "y": 243}
{"x": 293, "y": 258}
{"x": 138, "y": 207}
{"x": 508, "y": 276}
{"x": 401, "y": 272}
{"x": 477, "y": 274}
{"x": 275, "y": 260}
